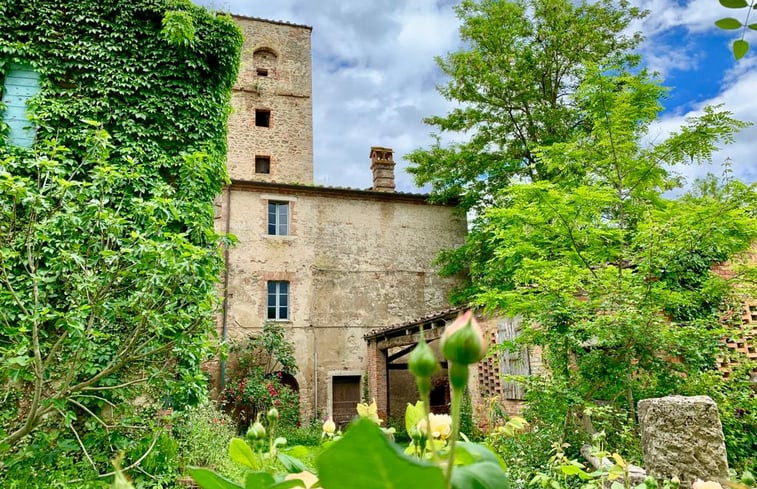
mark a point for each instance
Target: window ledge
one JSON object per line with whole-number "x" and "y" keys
{"x": 285, "y": 237}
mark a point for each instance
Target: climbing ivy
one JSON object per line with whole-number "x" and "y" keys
{"x": 108, "y": 255}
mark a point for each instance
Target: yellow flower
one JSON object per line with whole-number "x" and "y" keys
{"x": 700, "y": 484}
{"x": 328, "y": 428}
{"x": 441, "y": 425}
{"x": 308, "y": 478}
{"x": 369, "y": 411}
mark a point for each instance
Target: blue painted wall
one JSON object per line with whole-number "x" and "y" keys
{"x": 21, "y": 82}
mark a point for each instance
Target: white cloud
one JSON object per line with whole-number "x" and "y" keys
{"x": 374, "y": 74}
{"x": 737, "y": 96}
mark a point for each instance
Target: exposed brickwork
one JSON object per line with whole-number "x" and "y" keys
{"x": 382, "y": 166}
{"x": 744, "y": 341}
{"x": 489, "y": 372}
{"x": 377, "y": 377}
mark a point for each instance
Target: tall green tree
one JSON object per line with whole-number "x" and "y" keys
{"x": 575, "y": 228}
{"x": 612, "y": 277}
{"x": 514, "y": 83}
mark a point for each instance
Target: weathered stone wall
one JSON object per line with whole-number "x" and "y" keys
{"x": 355, "y": 263}
{"x": 286, "y": 91}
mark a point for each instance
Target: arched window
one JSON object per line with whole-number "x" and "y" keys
{"x": 264, "y": 60}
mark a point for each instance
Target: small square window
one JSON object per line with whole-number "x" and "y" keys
{"x": 278, "y": 300}
{"x": 262, "y": 164}
{"x": 262, "y": 118}
{"x": 278, "y": 218}
{"x": 262, "y": 71}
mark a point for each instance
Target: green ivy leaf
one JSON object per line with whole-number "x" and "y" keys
{"x": 729, "y": 23}
{"x": 740, "y": 48}
{"x": 373, "y": 463}
{"x": 483, "y": 475}
{"x": 207, "y": 479}
{"x": 733, "y": 3}
{"x": 241, "y": 453}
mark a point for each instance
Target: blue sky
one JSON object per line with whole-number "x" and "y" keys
{"x": 374, "y": 76}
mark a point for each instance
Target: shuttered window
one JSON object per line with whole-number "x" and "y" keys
{"x": 20, "y": 84}
{"x": 512, "y": 362}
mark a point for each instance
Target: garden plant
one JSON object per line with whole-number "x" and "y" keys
{"x": 364, "y": 456}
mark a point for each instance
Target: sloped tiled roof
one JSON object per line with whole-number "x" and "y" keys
{"x": 399, "y": 327}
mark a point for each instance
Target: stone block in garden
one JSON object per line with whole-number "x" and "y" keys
{"x": 683, "y": 437}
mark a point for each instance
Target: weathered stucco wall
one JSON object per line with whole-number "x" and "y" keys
{"x": 283, "y": 50}
{"x": 354, "y": 264}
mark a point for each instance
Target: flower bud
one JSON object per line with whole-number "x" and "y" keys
{"x": 422, "y": 362}
{"x": 329, "y": 427}
{"x": 463, "y": 341}
{"x": 256, "y": 431}
{"x": 272, "y": 415}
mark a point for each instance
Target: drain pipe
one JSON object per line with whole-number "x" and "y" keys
{"x": 315, "y": 374}
{"x": 225, "y": 286}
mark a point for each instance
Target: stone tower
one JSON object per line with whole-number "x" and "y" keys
{"x": 271, "y": 126}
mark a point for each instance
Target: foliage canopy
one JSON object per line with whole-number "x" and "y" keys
{"x": 577, "y": 228}
{"x": 108, "y": 257}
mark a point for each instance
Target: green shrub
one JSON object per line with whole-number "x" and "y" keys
{"x": 737, "y": 405}
{"x": 255, "y": 394}
{"x": 308, "y": 435}
{"x": 202, "y": 434}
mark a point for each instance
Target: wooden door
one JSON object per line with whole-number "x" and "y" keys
{"x": 345, "y": 391}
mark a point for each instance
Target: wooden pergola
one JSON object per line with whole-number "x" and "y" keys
{"x": 388, "y": 348}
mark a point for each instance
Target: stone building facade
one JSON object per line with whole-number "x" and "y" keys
{"x": 329, "y": 264}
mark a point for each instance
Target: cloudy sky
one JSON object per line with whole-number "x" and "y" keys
{"x": 374, "y": 75}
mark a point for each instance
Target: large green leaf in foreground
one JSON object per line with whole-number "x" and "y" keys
{"x": 364, "y": 458}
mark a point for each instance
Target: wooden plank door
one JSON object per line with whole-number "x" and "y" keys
{"x": 345, "y": 391}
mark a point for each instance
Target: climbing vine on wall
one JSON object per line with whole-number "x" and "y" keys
{"x": 108, "y": 256}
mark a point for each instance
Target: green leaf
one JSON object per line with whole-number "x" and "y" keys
{"x": 413, "y": 415}
{"x": 740, "y": 48}
{"x": 241, "y": 453}
{"x": 364, "y": 458}
{"x": 287, "y": 484}
{"x": 728, "y": 23}
{"x": 258, "y": 480}
{"x": 475, "y": 452}
{"x": 734, "y": 3}
{"x": 207, "y": 479}
{"x": 291, "y": 464}
{"x": 570, "y": 469}
{"x": 753, "y": 26}
{"x": 483, "y": 475}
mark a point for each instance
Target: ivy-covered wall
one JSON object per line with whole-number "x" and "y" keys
{"x": 157, "y": 94}
{"x": 108, "y": 257}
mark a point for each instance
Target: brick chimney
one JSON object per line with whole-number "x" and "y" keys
{"x": 382, "y": 165}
